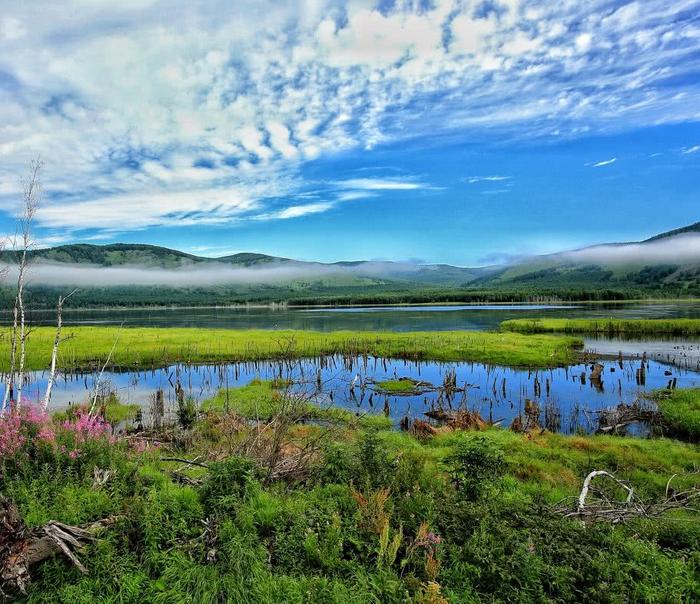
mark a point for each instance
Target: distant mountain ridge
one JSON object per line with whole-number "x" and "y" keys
{"x": 691, "y": 228}
{"x": 665, "y": 264}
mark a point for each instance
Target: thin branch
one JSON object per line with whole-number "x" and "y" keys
{"x": 99, "y": 377}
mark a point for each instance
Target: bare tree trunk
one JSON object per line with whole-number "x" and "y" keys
{"x": 22, "y": 336}
{"x": 31, "y": 197}
{"x": 32, "y": 193}
{"x": 54, "y": 353}
{"x": 9, "y": 386}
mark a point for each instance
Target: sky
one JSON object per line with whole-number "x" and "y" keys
{"x": 456, "y": 131}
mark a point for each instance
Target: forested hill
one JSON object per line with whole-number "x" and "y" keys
{"x": 135, "y": 254}
{"x": 666, "y": 265}
{"x": 690, "y": 229}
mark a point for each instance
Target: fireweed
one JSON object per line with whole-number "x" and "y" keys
{"x": 28, "y": 430}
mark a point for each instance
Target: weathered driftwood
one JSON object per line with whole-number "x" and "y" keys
{"x": 528, "y": 421}
{"x": 21, "y": 547}
{"x": 593, "y": 505}
{"x": 617, "y": 418}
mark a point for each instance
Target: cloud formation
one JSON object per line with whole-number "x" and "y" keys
{"x": 204, "y": 274}
{"x": 605, "y": 162}
{"x": 673, "y": 250}
{"x": 166, "y": 112}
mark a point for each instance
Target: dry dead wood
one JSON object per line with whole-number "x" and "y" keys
{"x": 598, "y": 504}
{"x": 21, "y": 548}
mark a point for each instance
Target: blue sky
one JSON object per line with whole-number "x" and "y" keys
{"x": 457, "y": 131}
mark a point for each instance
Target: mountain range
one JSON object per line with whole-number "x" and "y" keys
{"x": 666, "y": 264}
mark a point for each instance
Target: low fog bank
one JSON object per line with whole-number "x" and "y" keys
{"x": 681, "y": 249}
{"x": 674, "y": 250}
{"x": 63, "y": 274}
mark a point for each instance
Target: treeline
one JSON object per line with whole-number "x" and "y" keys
{"x": 141, "y": 296}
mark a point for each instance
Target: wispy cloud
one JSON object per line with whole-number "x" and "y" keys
{"x": 149, "y": 116}
{"x": 605, "y": 162}
{"x": 476, "y": 179}
{"x": 300, "y": 210}
{"x": 689, "y": 150}
{"x": 378, "y": 184}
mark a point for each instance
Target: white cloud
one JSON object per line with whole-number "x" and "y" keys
{"x": 605, "y": 162}
{"x": 681, "y": 248}
{"x": 378, "y": 184}
{"x": 476, "y": 179}
{"x": 209, "y": 109}
{"x": 11, "y": 29}
{"x": 279, "y": 137}
{"x": 689, "y": 150}
{"x": 301, "y": 210}
{"x": 141, "y": 210}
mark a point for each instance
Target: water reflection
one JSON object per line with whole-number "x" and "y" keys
{"x": 567, "y": 399}
{"x": 402, "y": 318}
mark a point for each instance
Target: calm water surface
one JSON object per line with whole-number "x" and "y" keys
{"x": 568, "y": 399}
{"x": 388, "y": 318}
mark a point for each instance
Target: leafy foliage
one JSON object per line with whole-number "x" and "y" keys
{"x": 382, "y": 517}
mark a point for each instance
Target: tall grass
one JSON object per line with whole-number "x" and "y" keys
{"x": 681, "y": 327}
{"x": 89, "y": 347}
{"x": 681, "y": 410}
{"x": 381, "y": 517}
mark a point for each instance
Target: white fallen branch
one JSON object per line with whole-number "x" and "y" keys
{"x": 588, "y": 507}
{"x": 587, "y": 485}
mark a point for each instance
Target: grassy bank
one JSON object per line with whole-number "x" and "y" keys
{"x": 376, "y": 516}
{"x": 680, "y": 327}
{"x": 86, "y": 347}
{"x": 265, "y": 399}
{"x": 681, "y": 410}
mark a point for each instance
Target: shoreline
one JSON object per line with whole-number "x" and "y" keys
{"x": 291, "y": 306}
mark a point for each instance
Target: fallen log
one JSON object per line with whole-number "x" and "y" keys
{"x": 21, "y": 548}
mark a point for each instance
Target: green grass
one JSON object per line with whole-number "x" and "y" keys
{"x": 260, "y": 399}
{"x": 606, "y": 326}
{"x": 89, "y": 347}
{"x": 681, "y": 410}
{"x": 115, "y": 412}
{"x": 263, "y": 399}
{"x": 349, "y": 531}
{"x": 405, "y": 386}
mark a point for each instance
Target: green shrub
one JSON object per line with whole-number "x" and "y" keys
{"x": 228, "y": 483}
{"x": 474, "y": 465}
{"x": 187, "y": 412}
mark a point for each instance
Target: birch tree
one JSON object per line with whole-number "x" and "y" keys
{"x": 18, "y": 337}
{"x": 54, "y": 352}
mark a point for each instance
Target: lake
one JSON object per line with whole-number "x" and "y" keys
{"x": 377, "y": 318}
{"x": 568, "y": 398}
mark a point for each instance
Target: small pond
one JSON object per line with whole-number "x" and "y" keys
{"x": 568, "y": 399}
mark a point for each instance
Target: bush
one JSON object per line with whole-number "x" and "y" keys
{"x": 228, "y": 483}
{"x": 474, "y": 466}
{"x": 186, "y": 412}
